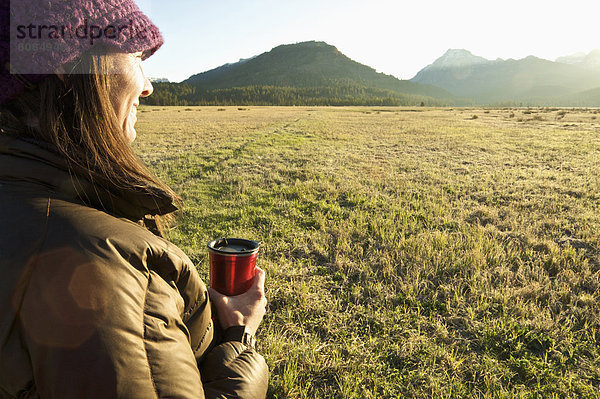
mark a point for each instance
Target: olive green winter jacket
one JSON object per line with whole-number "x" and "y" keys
{"x": 92, "y": 303}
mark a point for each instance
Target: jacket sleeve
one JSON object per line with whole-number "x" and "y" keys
{"x": 233, "y": 371}
{"x": 228, "y": 370}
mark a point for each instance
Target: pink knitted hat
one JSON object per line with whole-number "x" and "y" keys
{"x": 39, "y": 36}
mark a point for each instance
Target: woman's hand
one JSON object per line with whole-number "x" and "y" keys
{"x": 247, "y": 309}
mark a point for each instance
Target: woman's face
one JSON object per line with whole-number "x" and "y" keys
{"x": 127, "y": 86}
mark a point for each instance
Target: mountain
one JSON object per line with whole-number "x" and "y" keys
{"x": 456, "y": 58}
{"x": 590, "y": 60}
{"x": 572, "y": 58}
{"x": 307, "y": 65}
{"x": 158, "y": 80}
{"x": 529, "y": 80}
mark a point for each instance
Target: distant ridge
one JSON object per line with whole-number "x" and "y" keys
{"x": 158, "y": 80}
{"x": 456, "y": 58}
{"x": 590, "y": 60}
{"x": 530, "y": 80}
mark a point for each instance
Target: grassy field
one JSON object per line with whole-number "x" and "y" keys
{"x": 410, "y": 252}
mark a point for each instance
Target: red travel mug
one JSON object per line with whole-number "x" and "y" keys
{"x": 232, "y": 263}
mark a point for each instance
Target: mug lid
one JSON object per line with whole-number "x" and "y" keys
{"x": 234, "y": 246}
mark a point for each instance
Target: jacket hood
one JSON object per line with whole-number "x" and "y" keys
{"x": 34, "y": 162}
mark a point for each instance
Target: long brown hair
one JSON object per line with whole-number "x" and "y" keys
{"x": 74, "y": 113}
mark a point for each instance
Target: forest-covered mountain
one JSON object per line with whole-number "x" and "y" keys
{"x": 308, "y": 73}
{"x": 308, "y": 64}
{"x": 568, "y": 81}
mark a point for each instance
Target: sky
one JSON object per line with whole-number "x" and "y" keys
{"x": 394, "y": 37}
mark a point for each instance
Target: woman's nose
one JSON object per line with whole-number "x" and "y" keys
{"x": 148, "y": 89}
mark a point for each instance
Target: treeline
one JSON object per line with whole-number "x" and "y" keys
{"x": 339, "y": 95}
{"x": 170, "y": 94}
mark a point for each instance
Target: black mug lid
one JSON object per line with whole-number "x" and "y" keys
{"x": 234, "y": 246}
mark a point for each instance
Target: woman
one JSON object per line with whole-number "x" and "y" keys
{"x": 94, "y": 302}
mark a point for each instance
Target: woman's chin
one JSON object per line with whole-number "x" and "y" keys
{"x": 130, "y": 132}
{"x": 131, "y": 135}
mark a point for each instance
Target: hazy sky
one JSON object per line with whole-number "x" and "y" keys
{"x": 394, "y": 37}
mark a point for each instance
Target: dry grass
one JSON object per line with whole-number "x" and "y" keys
{"x": 410, "y": 252}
